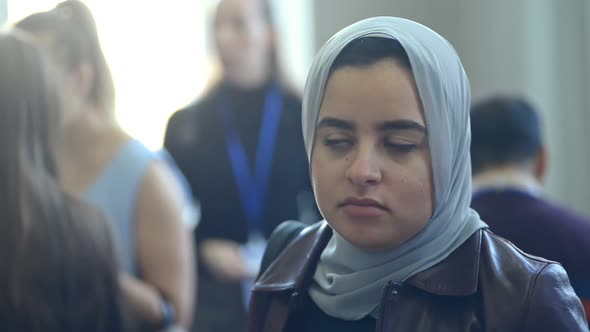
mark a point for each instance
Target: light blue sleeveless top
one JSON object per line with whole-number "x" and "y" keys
{"x": 116, "y": 191}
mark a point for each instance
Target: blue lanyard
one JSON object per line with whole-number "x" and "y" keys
{"x": 253, "y": 187}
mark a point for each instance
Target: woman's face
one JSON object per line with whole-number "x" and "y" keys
{"x": 243, "y": 38}
{"x": 371, "y": 166}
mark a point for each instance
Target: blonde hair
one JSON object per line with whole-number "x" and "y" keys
{"x": 74, "y": 36}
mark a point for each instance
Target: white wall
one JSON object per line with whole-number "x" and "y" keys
{"x": 537, "y": 48}
{"x": 3, "y": 12}
{"x": 569, "y": 117}
{"x": 295, "y": 27}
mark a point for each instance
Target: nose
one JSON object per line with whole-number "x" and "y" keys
{"x": 365, "y": 167}
{"x": 223, "y": 35}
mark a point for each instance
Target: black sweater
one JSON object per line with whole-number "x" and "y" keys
{"x": 312, "y": 319}
{"x": 196, "y": 140}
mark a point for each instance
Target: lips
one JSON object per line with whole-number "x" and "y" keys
{"x": 363, "y": 207}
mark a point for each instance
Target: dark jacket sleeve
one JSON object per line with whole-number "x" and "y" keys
{"x": 553, "y": 304}
{"x": 184, "y": 142}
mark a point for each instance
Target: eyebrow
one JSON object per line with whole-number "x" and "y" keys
{"x": 393, "y": 125}
{"x": 336, "y": 123}
{"x": 401, "y": 125}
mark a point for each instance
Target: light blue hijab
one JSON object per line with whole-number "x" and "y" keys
{"x": 348, "y": 281}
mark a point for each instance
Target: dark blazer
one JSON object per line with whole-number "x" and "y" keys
{"x": 486, "y": 284}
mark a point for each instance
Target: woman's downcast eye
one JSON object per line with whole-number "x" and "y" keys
{"x": 338, "y": 143}
{"x": 341, "y": 144}
{"x": 400, "y": 147}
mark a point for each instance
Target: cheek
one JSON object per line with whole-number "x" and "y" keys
{"x": 415, "y": 191}
{"x": 423, "y": 195}
{"x": 324, "y": 178}
{"x": 318, "y": 176}
{"x": 228, "y": 40}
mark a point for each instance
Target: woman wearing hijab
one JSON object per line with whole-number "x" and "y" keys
{"x": 386, "y": 129}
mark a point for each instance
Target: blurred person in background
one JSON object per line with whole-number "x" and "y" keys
{"x": 509, "y": 158}
{"x": 58, "y": 264}
{"x": 241, "y": 150}
{"x": 100, "y": 163}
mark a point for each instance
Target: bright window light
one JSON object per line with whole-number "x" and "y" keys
{"x": 156, "y": 52}
{"x": 160, "y": 57}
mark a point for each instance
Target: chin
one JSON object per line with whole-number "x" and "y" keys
{"x": 373, "y": 245}
{"x": 365, "y": 236}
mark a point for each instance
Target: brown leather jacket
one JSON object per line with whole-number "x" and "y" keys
{"x": 486, "y": 284}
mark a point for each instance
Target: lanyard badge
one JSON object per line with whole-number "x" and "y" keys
{"x": 253, "y": 186}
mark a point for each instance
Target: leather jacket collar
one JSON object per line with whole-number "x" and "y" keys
{"x": 457, "y": 275}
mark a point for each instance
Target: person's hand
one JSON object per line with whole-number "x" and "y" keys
{"x": 143, "y": 301}
{"x": 223, "y": 259}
